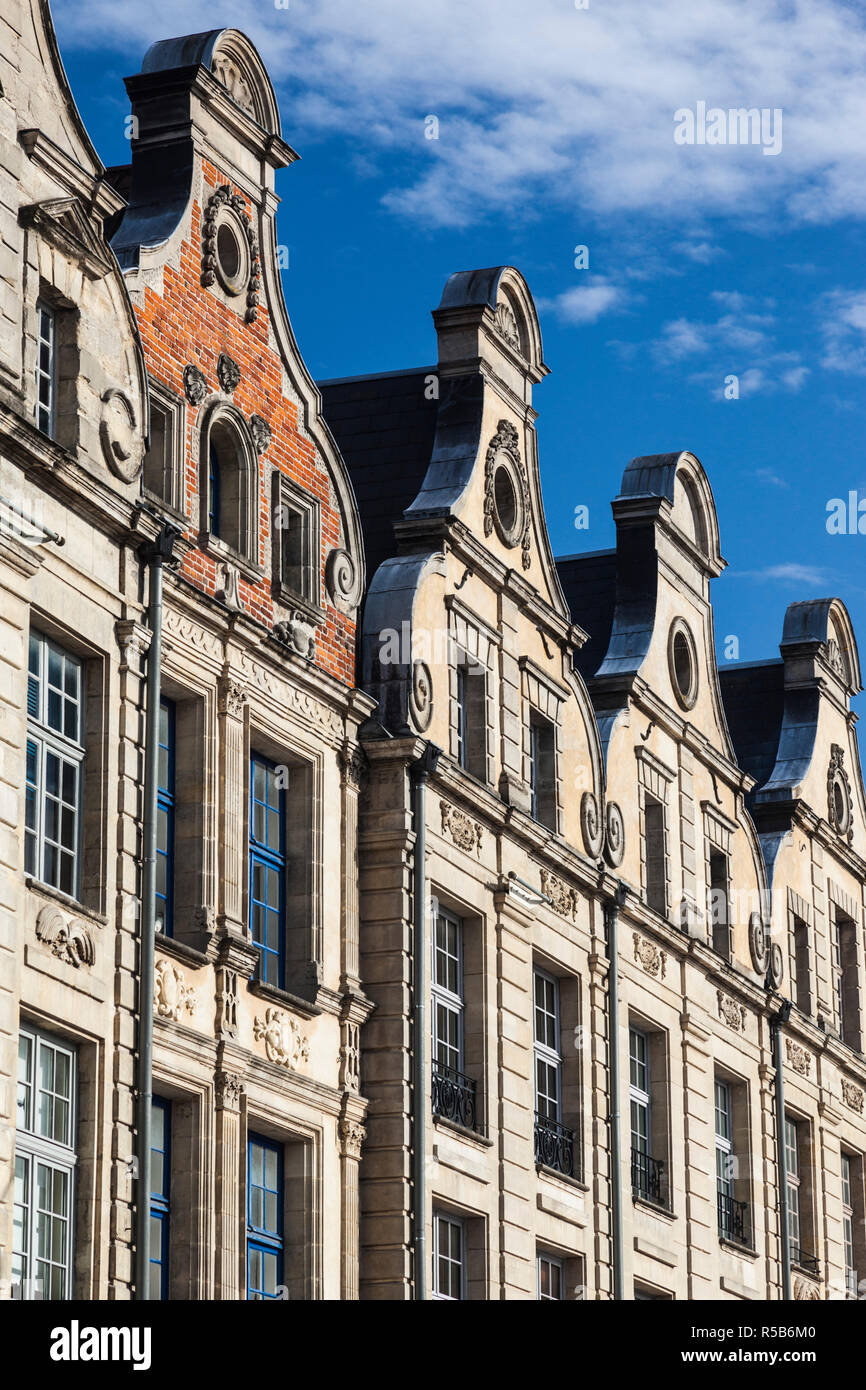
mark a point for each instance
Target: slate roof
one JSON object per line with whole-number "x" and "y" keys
{"x": 384, "y": 428}
{"x": 753, "y": 693}
{"x": 589, "y": 584}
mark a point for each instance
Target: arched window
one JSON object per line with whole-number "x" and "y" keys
{"x": 229, "y": 479}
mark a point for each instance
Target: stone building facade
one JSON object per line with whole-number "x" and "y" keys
{"x": 397, "y": 740}
{"x": 160, "y": 286}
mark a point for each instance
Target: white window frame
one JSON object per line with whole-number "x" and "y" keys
{"x": 724, "y": 1141}
{"x": 541, "y": 1049}
{"x": 792, "y": 1164}
{"x": 553, "y": 1263}
{"x": 640, "y": 1096}
{"x": 455, "y": 1222}
{"x": 455, "y": 1004}
{"x": 35, "y": 1150}
{"x": 848, "y": 1225}
{"x": 49, "y": 741}
{"x": 46, "y": 319}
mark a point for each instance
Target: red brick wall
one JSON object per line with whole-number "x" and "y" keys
{"x": 188, "y": 323}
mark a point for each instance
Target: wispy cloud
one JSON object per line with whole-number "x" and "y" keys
{"x": 586, "y": 302}
{"x": 844, "y": 329}
{"x": 790, "y": 573}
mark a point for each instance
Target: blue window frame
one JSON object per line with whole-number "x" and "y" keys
{"x": 160, "y": 1193}
{"x": 213, "y": 515}
{"x": 165, "y": 806}
{"x": 267, "y": 867}
{"x": 264, "y": 1218}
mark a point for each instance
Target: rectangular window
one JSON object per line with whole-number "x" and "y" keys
{"x": 792, "y": 1164}
{"x": 548, "y": 1061}
{"x": 161, "y": 475}
{"x": 447, "y": 991}
{"x": 801, "y": 982}
{"x": 165, "y": 808}
{"x": 160, "y": 1195}
{"x": 844, "y": 969}
{"x": 449, "y": 1257}
{"x": 55, "y": 756}
{"x": 719, "y": 914}
{"x": 46, "y": 368}
{"x": 542, "y": 770}
{"x": 848, "y": 1225}
{"x": 644, "y": 1171}
{"x": 296, "y": 542}
{"x": 551, "y": 1281}
{"x": 656, "y": 855}
{"x": 268, "y": 868}
{"x": 472, "y": 717}
{"x": 265, "y": 1199}
{"x": 732, "y": 1214}
{"x": 45, "y": 1158}
{"x": 295, "y": 551}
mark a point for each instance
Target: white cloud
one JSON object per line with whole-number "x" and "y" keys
{"x": 790, "y": 573}
{"x": 740, "y": 342}
{"x": 586, "y": 302}
{"x": 844, "y": 327}
{"x": 574, "y": 107}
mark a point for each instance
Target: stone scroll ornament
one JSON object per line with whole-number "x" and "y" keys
{"x": 421, "y": 696}
{"x": 758, "y": 943}
{"x": 341, "y": 580}
{"x": 614, "y": 839}
{"x": 224, "y": 196}
{"x": 775, "y": 966}
{"x": 591, "y": 825}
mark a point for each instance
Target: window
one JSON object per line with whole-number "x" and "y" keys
{"x": 554, "y": 1144}
{"x": 45, "y": 1158}
{"x": 800, "y": 982}
{"x": 161, "y": 475}
{"x": 719, "y": 914}
{"x": 46, "y": 367}
{"x": 449, "y": 1257}
{"x": 542, "y": 770}
{"x": 844, "y": 973}
{"x": 656, "y": 855}
{"x": 160, "y": 1188}
{"x": 642, "y": 1174}
{"x": 296, "y": 542}
{"x": 453, "y": 1094}
{"x": 55, "y": 755}
{"x": 792, "y": 1164}
{"x": 264, "y": 1219}
{"x": 165, "y": 805}
{"x": 551, "y": 1279}
{"x": 472, "y": 717}
{"x": 731, "y": 1213}
{"x": 230, "y": 488}
{"x": 267, "y": 868}
{"x": 848, "y": 1225}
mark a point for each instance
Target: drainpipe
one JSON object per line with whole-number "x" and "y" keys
{"x": 155, "y": 556}
{"x": 421, "y": 770}
{"x": 612, "y": 911}
{"x": 776, "y": 1023}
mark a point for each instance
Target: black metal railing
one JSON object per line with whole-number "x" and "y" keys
{"x": 554, "y": 1145}
{"x": 804, "y": 1259}
{"x": 733, "y": 1219}
{"x": 648, "y": 1178}
{"x": 453, "y": 1096}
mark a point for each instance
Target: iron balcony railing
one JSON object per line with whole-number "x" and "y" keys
{"x": 554, "y": 1146}
{"x": 453, "y": 1096}
{"x": 805, "y": 1260}
{"x": 733, "y": 1219}
{"x": 648, "y": 1178}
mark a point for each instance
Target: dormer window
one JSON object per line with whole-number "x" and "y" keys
{"x": 296, "y": 543}
{"x": 162, "y": 462}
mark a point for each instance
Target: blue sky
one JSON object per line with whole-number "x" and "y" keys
{"x": 556, "y": 130}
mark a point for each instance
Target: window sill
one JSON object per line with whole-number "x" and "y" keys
{"x": 171, "y": 511}
{"x": 472, "y": 1136}
{"x": 220, "y": 550}
{"x": 180, "y": 949}
{"x": 36, "y": 885}
{"x": 305, "y": 1007}
{"x": 553, "y": 1173}
{"x": 653, "y": 1208}
{"x": 745, "y": 1252}
{"x": 290, "y": 598}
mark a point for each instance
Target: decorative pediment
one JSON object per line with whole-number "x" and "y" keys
{"x": 65, "y": 223}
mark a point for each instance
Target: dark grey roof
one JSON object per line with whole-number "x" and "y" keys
{"x": 183, "y": 52}
{"x": 589, "y": 584}
{"x": 467, "y": 287}
{"x": 384, "y": 427}
{"x": 753, "y": 694}
{"x": 651, "y": 475}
